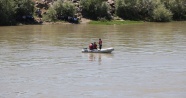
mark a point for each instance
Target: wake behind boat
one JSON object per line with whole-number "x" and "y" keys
{"x": 105, "y": 50}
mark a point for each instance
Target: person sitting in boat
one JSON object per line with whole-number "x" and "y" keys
{"x": 94, "y": 45}
{"x": 91, "y": 46}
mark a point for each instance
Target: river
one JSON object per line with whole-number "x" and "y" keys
{"x": 45, "y": 61}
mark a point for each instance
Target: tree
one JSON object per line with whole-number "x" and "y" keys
{"x": 95, "y": 9}
{"x": 10, "y": 10}
{"x": 161, "y": 14}
{"x": 7, "y": 12}
{"x": 64, "y": 8}
{"x": 24, "y": 7}
{"x": 149, "y": 10}
{"x": 177, "y": 7}
{"x": 60, "y": 8}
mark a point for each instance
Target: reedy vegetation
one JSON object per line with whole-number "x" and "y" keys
{"x": 147, "y": 10}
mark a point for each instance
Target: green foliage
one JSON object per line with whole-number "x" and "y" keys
{"x": 51, "y": 15}
{"x": 103, "y": 13}
{"x": 121, "y": 8}
{"x": 95, "y": 9}
{"x": 177, "y": 7}
{"x": 161, "y": 14}
{"x": 60, "y": 8}
{"x": 7, "y": 12}
{"x": 64, "y": 8}
{"x": 10, "y": 10}
{"x": 24, "y": 7}
{"x": 135, "y": 9}
{"x": 145, "y": 9}
{"x": 150, "y": 10}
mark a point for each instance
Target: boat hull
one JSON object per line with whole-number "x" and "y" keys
{"x": 106, "y": 50}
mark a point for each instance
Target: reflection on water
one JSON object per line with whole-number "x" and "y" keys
{"x": 97, "y": 57}
{"x": 45, "y": 61}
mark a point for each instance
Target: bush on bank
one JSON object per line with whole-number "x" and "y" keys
{"x": 161, "y": 14}
{"x": 95, "y": 9}
{"x": 24, "y": 7}
{"x": 21, "y": 11}
{"x": 24, "y": 11}
{"x": 151, "y": 10}
{"x": 60, "y": 10}
{"x": 147, "y": 10}
{"x": 177, "y": 7}
{"x": 51, "y": 15}
{"x": 15, "y": 11}
{"x": 7, "y": 12}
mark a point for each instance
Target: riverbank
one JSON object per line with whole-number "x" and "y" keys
{"x": 112, "y": 22}
{"x": 82, "y": 21}
{"x": 94, "y": 22}
{"x": 42, "y": 5}
{"x": 115, "y": 22}
{"x": 31, "y": 12}
{"x": 86, "y": 21}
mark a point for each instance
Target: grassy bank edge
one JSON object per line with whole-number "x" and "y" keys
{"x": 115, "y": 22}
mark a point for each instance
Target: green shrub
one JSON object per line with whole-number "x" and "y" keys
{"x": 24, "y": 7}
{"x": 58, "y": 9}
{"x": 178, "y": 8}
{"x": 145, "y": 9}
{"x": 161, "y": 14}
{"x": 135, "y": 9}
{"x": 128, "y": 9}
{"x": 95, "y": 9}
{"x": 104, "y": 11}
{"x": 11, "y": 10}
{"x": 64, "y": 8}
{"x": 51, "y": 15}
{"x": 120, "y": 8}
{"x": 7, "y": 12}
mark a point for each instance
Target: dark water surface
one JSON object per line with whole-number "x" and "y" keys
{"x": 45, "y": 61}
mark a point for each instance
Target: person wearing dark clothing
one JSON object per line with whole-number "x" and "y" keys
{"x": 95, "y": 45}
{"x": 100, "y": 43}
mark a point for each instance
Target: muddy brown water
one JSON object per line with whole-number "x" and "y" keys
{"x": 45, "y": 61}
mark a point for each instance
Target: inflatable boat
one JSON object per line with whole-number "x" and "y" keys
{"x": 105, "y": 50}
